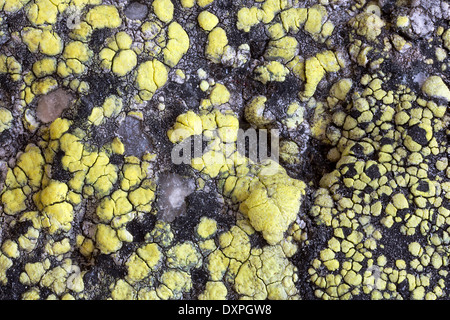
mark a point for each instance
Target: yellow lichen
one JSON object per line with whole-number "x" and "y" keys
{"x": 163, "y": 10}
{"x": 150, "y": 76}
{"x": 103, "y": 16}
{"x": 207, "y": 20}
{"x": 217, "y": 41}
{"x": 42, "y": 40}
{"x": 177, "y": 45}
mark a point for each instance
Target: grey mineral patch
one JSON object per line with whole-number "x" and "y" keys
{"x": 421, "y": 23}
{"x": 51, "y": 105}
{"x": 136, "y": 142}
{"x": 173, "y": 190}
{"x": 136, "y": 11}
{"x": 3, "y": 172}
{"x": 418, "y": 78}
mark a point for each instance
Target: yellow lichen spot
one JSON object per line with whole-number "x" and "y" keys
{"x": 132, "y": 175}
{"x": 174, "y": 283}
{"x": 284, "y": 49}
{"x": 58, "y": 216}
{"x": 106, "y": 239}
{"x": 137, "y": 268}
{"x": 214, "y": 290}
{"x": 56, "y": 278}
{"x": 44, "y": 85}
{"x": 96, "y": 116}
{"x": 269, "y": 10}
{"x": 399, "y": 201}
{"x": 184, "y": 257}
{"x": 9, "y": 64}
{"x": 123, "y": 291}
{"x": 28, "y": 241}
{"x": 124, "y": 62}
{"x": 272, "y": 71}
{"x": 327, "y": 30}
{"x": 217, "y": 41}
{"x": 44, "y": 67}
{"x": 106, "y": 56}
{"x": 207, "y": 227}
{"x": 146, "y": 259}
{"x": 142, "y": 198}
{"x": 204, "y": 3}
{"x": 151, "y": 75}
{"x": 316, "y": 16}
{"x": 328, "y": 61}
{"x": 13, "y": 201}
{"x": 314, "y": 72}
{"x": 123, "y": 40}
{"x": 118, "y": 56}
{"x": 43, "y": 40}
{"x": 272, "y": 215}
{"x": 10, "y": 249}
{"x": 266, "y": 275}
{"x": 339, "y": 91}
{"x": 247, "y": 18}
{"x": 5, "y": 119}
{"x": 418, "y": 293}
{"x": 12, "y": 6}
{"x": 82, "y": 32}
{"x": 435, "y": 87}
{"x": 235, "y": 244}
{"x": 187, "y": 124}
{"x": 400, "y": 44}
{"x": 204, "y": 85}
{"x": 163, "y": 10}
{"x": 33, "y": 273}
{"x": 31, "y": 163}
{"x": 219, "y": 95}
{"x": 367, "y": 24}
{"x": 446, "y": 38}
{"x": 276, "y": 31}
{"x": 440, "y": 54}
{"x": 103, "y": 16}
{"x": 86, "y": 246}
{"x": 59, "y": 247}
{"x": 254, "y": 112}
{"x": 112, "y": 106}
{"x": 402, "y": 21}
{"x": 293, "y": 18}
{"x": 187, "y": 3}
{"x": 151, "y": 254}
{"x": 247, "y": 283}
{"x": 207, "y": 20}
{"x": 32, "y": 294}
{"x": 228, "y": 126}
{"x": 59, "y": 127}
{"x": 289, "y": 152}
{"x": 55, "y": 192}
{"x": 117, "y": 146}
{"x": 42, "y": 11}
{"x": 177, "y": 45}
{"x": 211, "y": 163}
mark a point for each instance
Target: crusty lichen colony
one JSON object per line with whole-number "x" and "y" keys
{"x": 95, "y": 94}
